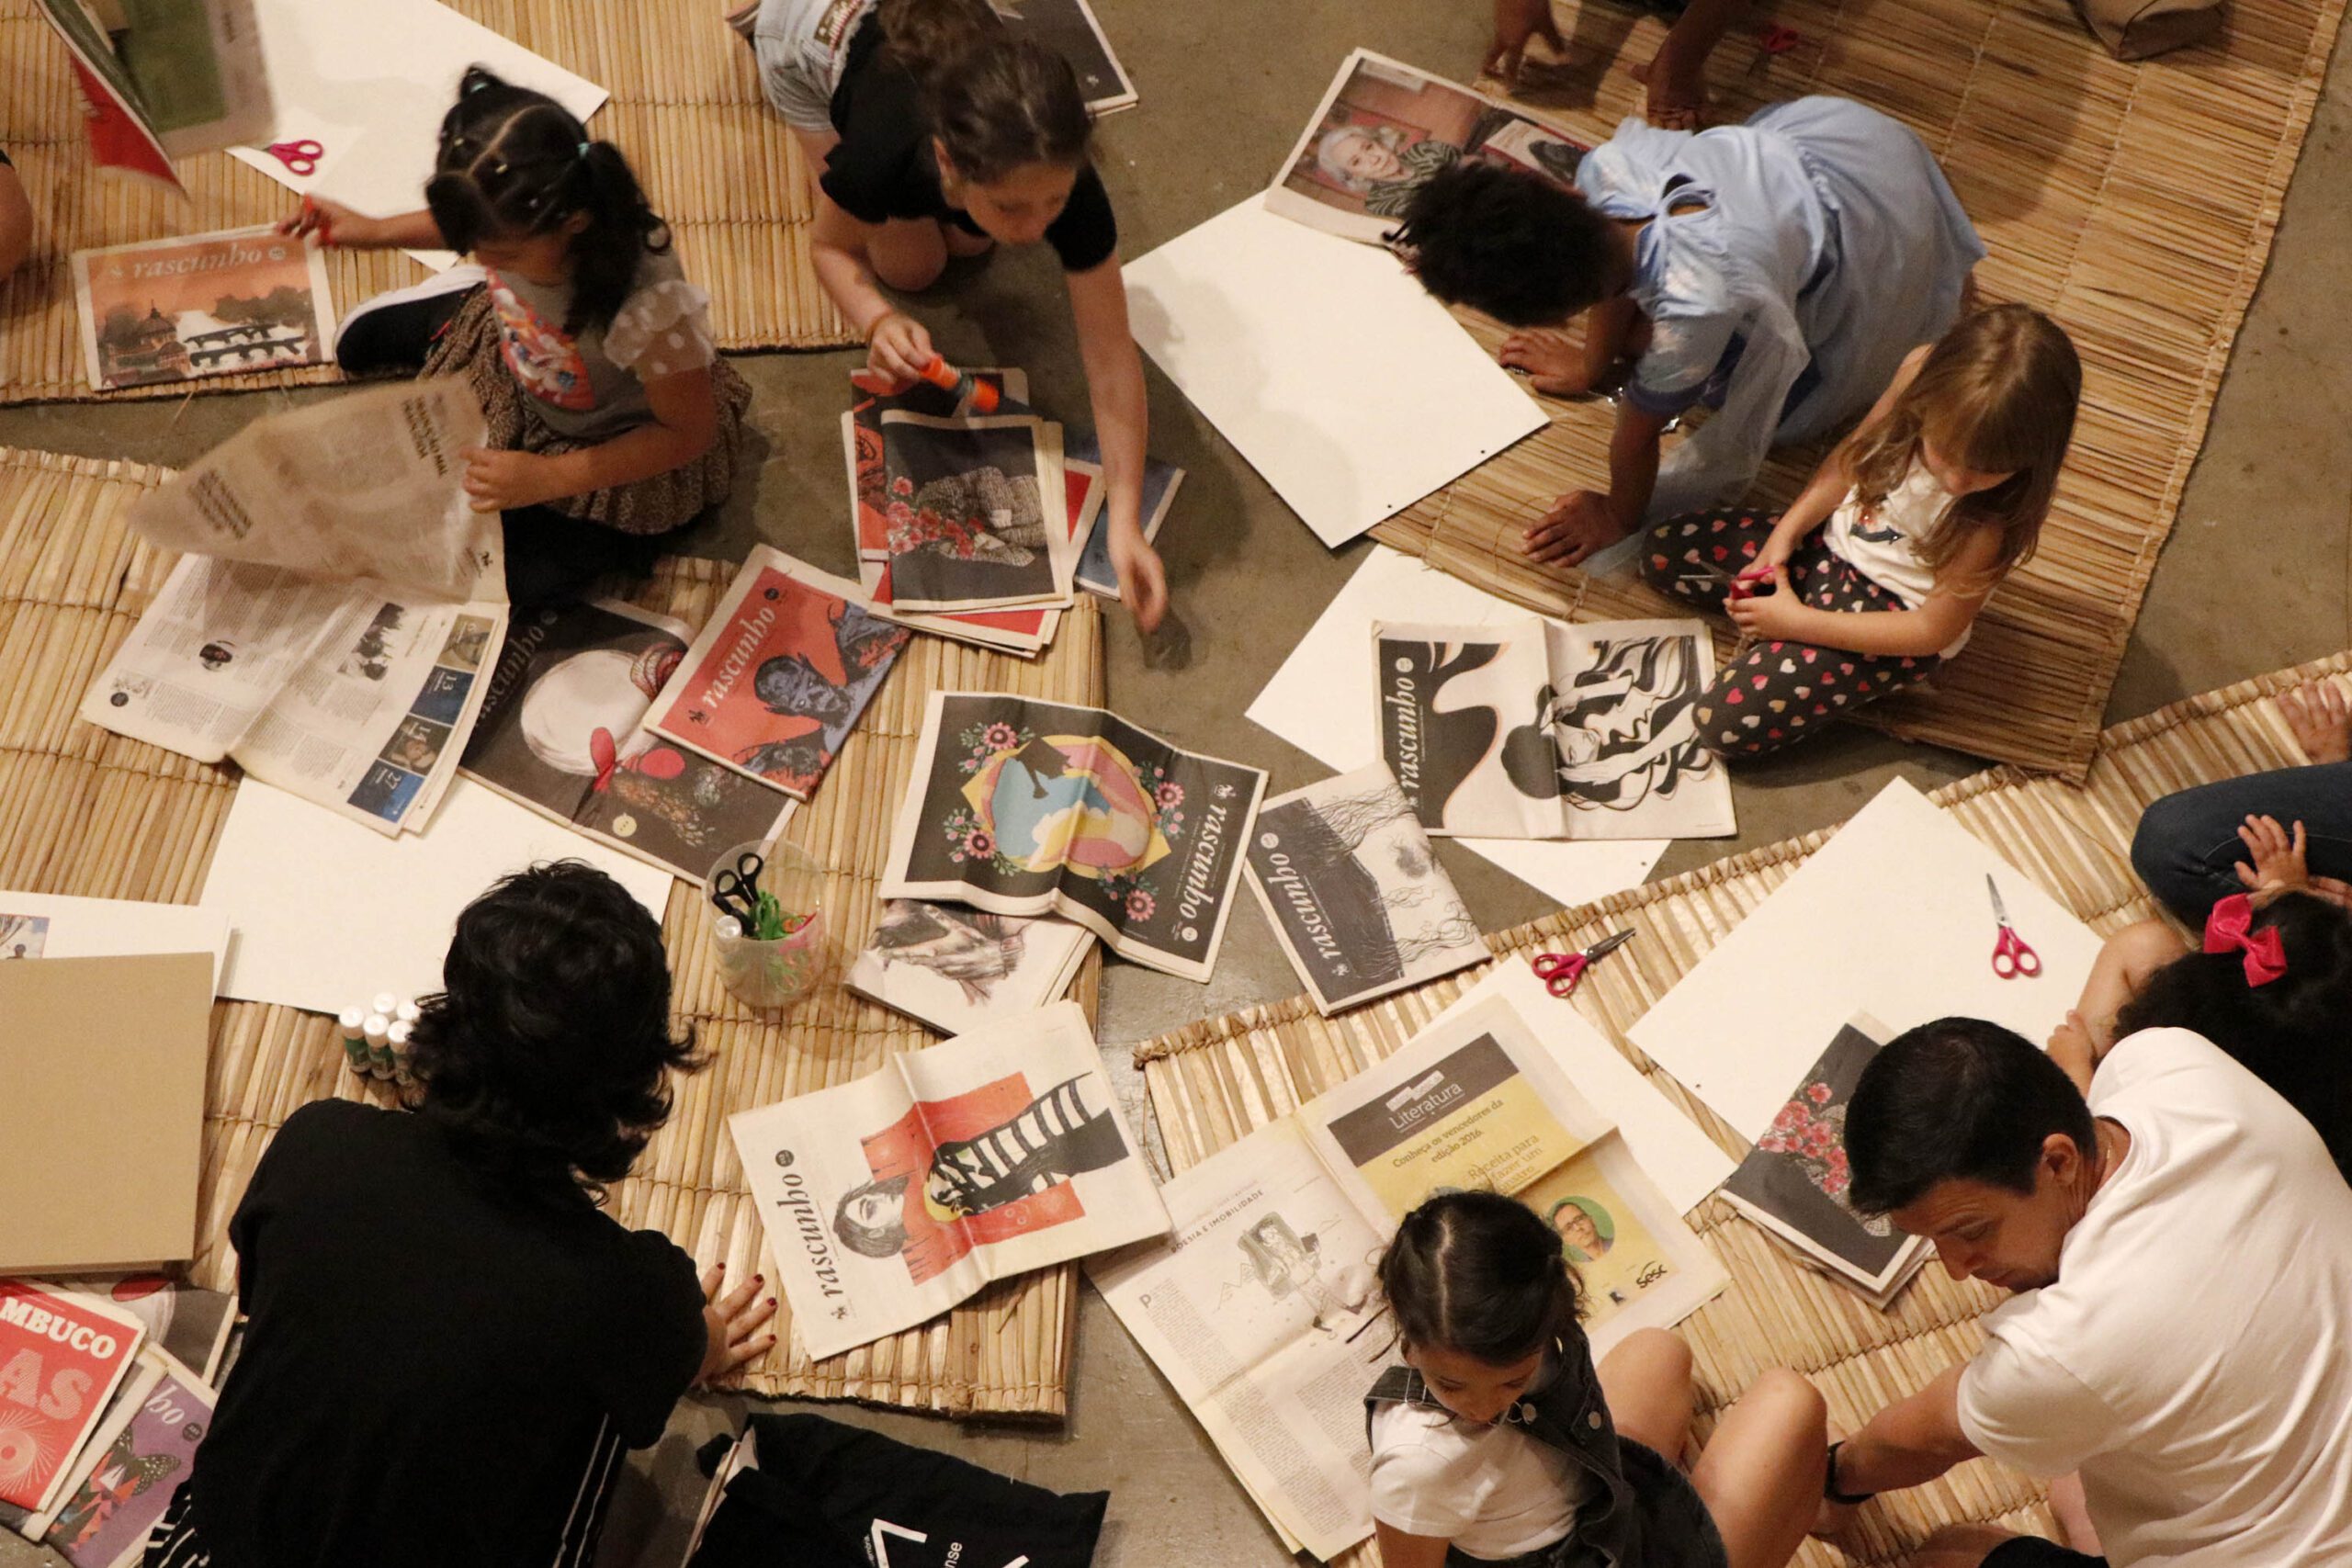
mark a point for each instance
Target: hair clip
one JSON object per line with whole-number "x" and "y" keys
{"x": 2229, "y": 928}
{"x": 480, "y": 81}
{"x": 582, "y": 150}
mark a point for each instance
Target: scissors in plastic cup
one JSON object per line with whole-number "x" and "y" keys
{"x": 736, "y": 889}
{"x": 300, "y": 158}
{"x": 1561, "y": 971}
{"x": 2011, "y": 956}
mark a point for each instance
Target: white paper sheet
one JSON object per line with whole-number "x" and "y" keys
{"x": 51, "y": 925}
{"x": 370, "y": 81}
{"x": 328, "y": 913}
{"x": 1890, "y": 917}
{"x": 1321, "y": 702}
{"x": 1669, "y": 1146}
{"x": 1352, "y": 390}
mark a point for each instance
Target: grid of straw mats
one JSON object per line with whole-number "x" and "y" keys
{"x": 2134, "y": 203}
{"x": 686, "y": 106}
{"x": 84, "y": 812}
{"x": 1214, "y": 1081}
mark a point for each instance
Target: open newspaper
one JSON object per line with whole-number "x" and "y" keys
{"x": 890, "y": 1200}
{"x": 165, "y": 78}
{"x": 1252, "y": 1309}
{"x": 337, "y": 603}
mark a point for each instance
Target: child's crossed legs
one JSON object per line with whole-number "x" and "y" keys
{"x": 1777, "y": 691}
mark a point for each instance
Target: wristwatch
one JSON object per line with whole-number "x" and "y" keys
{"x": 1829, "y": 1481}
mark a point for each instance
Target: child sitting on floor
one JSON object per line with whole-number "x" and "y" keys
{"x": 2270, "y": 982}
{"x": 1774, "y": 273}
{"x": 448, "y": 1338}
{"x": 612, "y": 421}
{"x": 1498, "y": 1442}
{"x": 1939, "y": 493}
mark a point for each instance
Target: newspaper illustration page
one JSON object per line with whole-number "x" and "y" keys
{"x": 890, "y": 1200}
{"x": 1248, "y": 1310}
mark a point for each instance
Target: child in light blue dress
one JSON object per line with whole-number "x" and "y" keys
{"x": 1774, "y": 273}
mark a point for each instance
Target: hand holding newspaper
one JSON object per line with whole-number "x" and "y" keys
{"x": 890, "y": 1200}
{"x": 338, "y": 598}
{"x": 165, "y": 78}
{"x": 1254, "y": 1308}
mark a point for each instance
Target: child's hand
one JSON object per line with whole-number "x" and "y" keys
{"x": 1553, "y": 362}
{"x": 2321, "y": 719}
{"x": 1143, "y": 581}
{"x": 329, "y": 223}
{"x": 1578, "y": 523}
{"x": 731, "y": 1325}
{"x": 1516, "y": 21}
{"x": 2278, "y": 859}
{"x": 499, "y": 480}
{"x": 899, "y": 347}
{"x": 1774, "y": 615}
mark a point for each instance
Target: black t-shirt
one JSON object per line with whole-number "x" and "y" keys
{"x": 884, "y": 167}
{"x": 431, "y": 1361}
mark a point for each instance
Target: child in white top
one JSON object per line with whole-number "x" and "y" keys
{"x": 1936, "y": 495}
{"x": 1500, "y": 1441}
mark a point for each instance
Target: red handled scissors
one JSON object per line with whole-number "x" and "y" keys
{"x": 1561, "y": 971}
{"x": 300, "y": 158}
{"x": 2011, "y": 956}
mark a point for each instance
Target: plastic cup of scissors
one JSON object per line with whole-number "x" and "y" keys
{"x": 774, "y": 971}
{"x": 2011, "y": 956}
{"x": 1561, "y": 971}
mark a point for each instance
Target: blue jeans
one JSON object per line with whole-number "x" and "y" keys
{"x": 2187, "y": 847}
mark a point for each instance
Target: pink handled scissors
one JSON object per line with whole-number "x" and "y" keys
{"x": 1561, "y": 971}
{"x": 302, "y": 158}
{"x": 2011, "y": 956}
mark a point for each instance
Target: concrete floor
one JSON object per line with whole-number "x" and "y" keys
{"x": 2258, "y": 575}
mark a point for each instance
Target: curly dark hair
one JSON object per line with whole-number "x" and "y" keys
{"x": 514, "y": 163}
{"x": 1508, "y": 242}
{"x": 2290, "y": 1033}
{"x": 546, "y": 1055}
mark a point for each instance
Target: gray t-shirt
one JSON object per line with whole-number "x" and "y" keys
{"x": 592, "y": 387}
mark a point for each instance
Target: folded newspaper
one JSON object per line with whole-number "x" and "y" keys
{"x": 1252, "y": 1309}
{"x": 890, "y": 1200}
{"x": 337, "y": 600}
{"x": 165, "y": 78}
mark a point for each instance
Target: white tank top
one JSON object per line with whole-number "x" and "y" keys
{"x": 1882, "y": 543}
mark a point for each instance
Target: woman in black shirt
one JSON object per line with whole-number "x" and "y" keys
{"x": 949, "y": 136}
{"x": 447, "y": 1338}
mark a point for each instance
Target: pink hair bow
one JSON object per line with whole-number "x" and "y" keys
{"x": 2229, "y": 928}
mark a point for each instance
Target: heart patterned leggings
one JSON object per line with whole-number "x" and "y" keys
{"x": 1778, "y": 692}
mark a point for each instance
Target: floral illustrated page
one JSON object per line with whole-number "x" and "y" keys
{"x": 1027, "y": 808}
{"x": 1384, "y": 129}
{"x": 780, "y": 674}
{"x": 1355, "y": 893}
{"x": 1795, "y": 1181}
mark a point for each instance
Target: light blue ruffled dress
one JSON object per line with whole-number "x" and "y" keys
{"x": 1788, "y": 265}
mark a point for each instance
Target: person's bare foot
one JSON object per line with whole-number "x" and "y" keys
{"x": 1554, "y": 361}
{"x": 1677, "y": 92}
{"x": 2321, "y": 719}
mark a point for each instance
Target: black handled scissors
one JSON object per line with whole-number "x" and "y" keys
{"x": 735, "y": 890}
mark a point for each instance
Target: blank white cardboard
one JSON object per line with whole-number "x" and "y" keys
{"x": 1352, "y": 390}
{"x": 1890, "y": 917}
{"x": 369, "y": 82}
{"x": 114, "y": 928}
{"x": 1321, "y": 702}
{"x": 328, "y": 912}
{"x": 1671, "y": 1147}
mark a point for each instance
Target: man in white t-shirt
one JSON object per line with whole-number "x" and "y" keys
{"x": 2181, "y": 1247}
